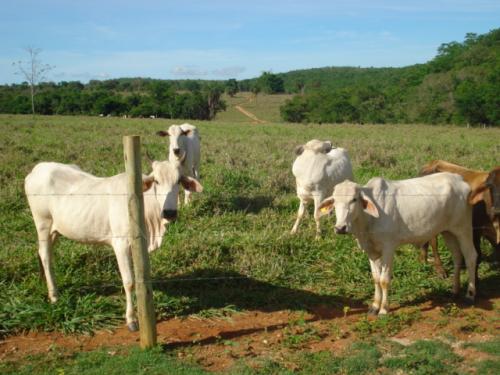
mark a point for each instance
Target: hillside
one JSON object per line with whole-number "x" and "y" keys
{"x": 460, "y": 85}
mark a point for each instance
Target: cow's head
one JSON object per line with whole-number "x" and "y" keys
{"x": 316, "y": 146}
{"x": 489, "y": 192}
{"x": 177, "y": 136}
{"x": 349, "y": 202}
{"x": 163, "y": 182}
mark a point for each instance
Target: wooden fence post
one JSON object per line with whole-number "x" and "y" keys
{"x": 137, "y": 237}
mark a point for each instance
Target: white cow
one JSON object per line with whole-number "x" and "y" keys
{"x": 385, "y": 214}
{"x": 317, "y": 169}
{"x": 184, "y": 145}
{"x": 68, "y": 201}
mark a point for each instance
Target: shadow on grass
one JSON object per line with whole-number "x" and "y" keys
{"x": 487, "y": 291}
{"x": 212, "y": 289}
{"x": 216, "y": 288}
{"x": 250, "y": 204}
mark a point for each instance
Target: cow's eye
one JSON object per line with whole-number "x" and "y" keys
{"x": 354, "y": 200}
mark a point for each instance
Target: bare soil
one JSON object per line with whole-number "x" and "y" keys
{"x": 217, "y": 343}
{"x": 249, "y": 114}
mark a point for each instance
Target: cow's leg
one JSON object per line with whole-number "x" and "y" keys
{"x": 438, "y": 264}
{"x": 385, "y": 277}
{"x": 123, "y": 256}
{"x": 453, "y": 245}
{"x": 187, "y": 197}
{"x": 375, "y": 265}
{"x": 476, "y": 239}
{"x": 467, "y": 248}
{"x": 46, "y": 240}
{"x": 317, "y": 215}
{"x": 424, "y": 250}
{"x": 300, "y": 214}
{"x": 196, "y": 171}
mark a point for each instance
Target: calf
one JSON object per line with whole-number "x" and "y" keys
{"x": 317, "y": 169}
{"x": 185, "y": 146}
{"x": 385, "y": 214}
{"x": 68, "y": 201}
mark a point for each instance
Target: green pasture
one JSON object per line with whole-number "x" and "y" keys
{"x": 423, "y": 357}
{"x": 235, "y": 236}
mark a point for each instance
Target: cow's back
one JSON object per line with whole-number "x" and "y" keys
{"x": 77, "y": 204}
{"x": 317, "y": 170}
{"x": 413, "y": 210}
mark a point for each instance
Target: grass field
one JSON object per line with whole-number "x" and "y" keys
{"x": 264, "y": 107}
{"x": 235, "y": 235}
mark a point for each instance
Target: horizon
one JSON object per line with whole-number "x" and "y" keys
{"x": 198, "y": 40}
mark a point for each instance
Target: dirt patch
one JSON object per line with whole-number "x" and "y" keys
{"x": 249, "y": 114}
{"x": 217, "y": 343}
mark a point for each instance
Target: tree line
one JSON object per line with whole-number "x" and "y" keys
{"x": 136, "y": 98}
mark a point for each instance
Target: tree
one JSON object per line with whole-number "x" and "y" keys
{"x": 255, "y": 90}
{"x": 231, "y": 87}
{"x": 33, "y": 70}
{"x": 271, "y": 83}
{"x": 213, "y": 94}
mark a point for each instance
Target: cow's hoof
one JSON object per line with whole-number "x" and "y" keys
{"x": 372, "y": 311}
{"x": 469, "y": 300}
{"x": 133, "y": 327}
{"x": 442, "y": 274}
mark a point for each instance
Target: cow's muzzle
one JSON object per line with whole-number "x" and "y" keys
{"x": 169, "y": 215}
{"x": 341, "y": 230}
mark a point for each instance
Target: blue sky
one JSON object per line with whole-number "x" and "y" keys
{"x": 221, "y": 39}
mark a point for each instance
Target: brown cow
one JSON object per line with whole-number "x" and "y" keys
{"x": 489, "y": 193}
{"x": 486, "y": 210}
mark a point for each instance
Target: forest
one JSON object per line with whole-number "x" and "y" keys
{"x": 461, "y": 85}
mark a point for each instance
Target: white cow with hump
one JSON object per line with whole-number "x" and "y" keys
{"x": 185, "y": 146}
{"x": 317, "y": 169}
{"x": 68, "y": 201}
{"x": 385, "y": 214}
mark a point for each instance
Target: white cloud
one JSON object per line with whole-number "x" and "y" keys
{"x": 188, "y": 71}
{"x": 229, "y": 71}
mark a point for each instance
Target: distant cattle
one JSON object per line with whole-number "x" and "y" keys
{"x": 317, "y": 169}
{"x": 484, "y": 222}
{"x": 185, "y": 145}
{"x": 68, "y": 201}
{"x": 384, "y": 214}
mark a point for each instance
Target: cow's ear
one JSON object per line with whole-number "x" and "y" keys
{"x": 327, "y": 147}
{"x": 147, "y": 182}
{"x": 369, "y": 206}
{"x": 299, "y": 150}
{"x": 191, "y": 184}
{"x": 477, "y": 195}
{"x": 162, "y": 133}
{"x": 326, "y": 207}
